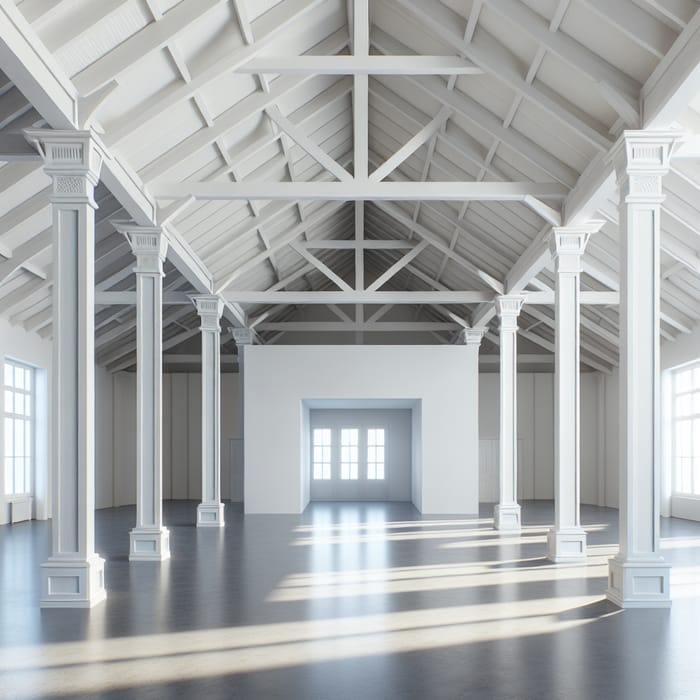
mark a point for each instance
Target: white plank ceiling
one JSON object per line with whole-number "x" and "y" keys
{"x": 245, "y": 127}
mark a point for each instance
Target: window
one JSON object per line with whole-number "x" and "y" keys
{"x": 686, "y": 430}
{"x": 19, "y": 403}
{"x": 375, "y": 453}
{"x": 322, "y": 453}
{"x": 349, "y": 453}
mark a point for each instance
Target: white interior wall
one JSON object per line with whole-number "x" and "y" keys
{"x": 536, "y": 437}
{"x": 32, "y": 349}
{"x": 279, "y": 379}
{"x": 182, "y": 434}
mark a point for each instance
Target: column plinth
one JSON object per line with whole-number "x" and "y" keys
{"x": 507, "y": 511}
{"x": 73, "y": 576}
{"x": 639, "y": 576}
{"x": 149, "y": 540}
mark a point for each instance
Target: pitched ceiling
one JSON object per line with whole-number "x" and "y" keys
{"x": 185, "y": 96}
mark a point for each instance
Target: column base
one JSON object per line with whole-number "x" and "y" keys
{"x": 210, "y": 515}
{"x": 149, "y": 544}
{"x": 566, "y": 545}
{"x": 72, "y": 583}
{"x": 639, "y": 584}
{"x": 507, "y": 517}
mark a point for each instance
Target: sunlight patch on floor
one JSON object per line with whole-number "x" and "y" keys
{"x": 103, "y": 665}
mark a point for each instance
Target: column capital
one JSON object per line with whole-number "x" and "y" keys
{"x": 210, "y": 308}
{"x": 148, "y": 243}
{"x": 508, "y": 308}
{"x": 471, "y": 336}
{"x": 568, "y": 243}
{"x": 73, "y": 160}
{"x": 641, "y": 159}
{"x": 243, "y": 336}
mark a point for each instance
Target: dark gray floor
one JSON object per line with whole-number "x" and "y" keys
{"x": 351, "y": 601}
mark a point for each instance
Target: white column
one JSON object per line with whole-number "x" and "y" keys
{"x": 639, "y": 576}
{"x": 507, "y": 511}
{"x": 73, "y": 577}
{"x": 149, "y": 540}
{"x": 566, "y": 541}
{"x": 210, "y": 512}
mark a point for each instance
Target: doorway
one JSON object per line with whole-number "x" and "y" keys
{"x": 360, "y": 454}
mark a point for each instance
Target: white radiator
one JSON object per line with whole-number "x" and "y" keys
{"x": 20, "y": 509}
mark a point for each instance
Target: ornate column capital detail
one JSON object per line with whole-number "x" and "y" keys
{"x": 210, "y": 309}
{"x": 472, "y": 336}
{"x": 641, "y": 159}
{"x": 568, "y": 243}
{"x": 73, "y": 160}
{"x": 243, "y": 336}
{"x": 148, "y": 243}
{"x": 508, "y": 308}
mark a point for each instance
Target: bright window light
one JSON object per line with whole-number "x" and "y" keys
{"x": 322, "y": 454}
{"x": 19, "y": 427}
{"x": 375, "y": 454}
{"x": 686, "y": 430}
{"x": 349, "y": 453}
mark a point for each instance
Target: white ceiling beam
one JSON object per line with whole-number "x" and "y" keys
{"x": 474, "y": 112}
{"x": 361, "y": 65}
{"x": 411, "y": 146}
{"x": 443, "y": 21}
{"x": 315, "y": 151}
{"x": 674, "y": 82}
{"x": 576, "y": 55}
{"x": 678, "y": 12}
{"x": 189, "y": 359}
{"x": 639, "y": 26}
{"x": 530, "y": 263}
{"x": 228, "y": 120}
{"x": 24, "y": 252}
{"x": 397, "y": 214}
{"x": 30, "y": 66}
{"x": 268, "y": 28}
{"x": 14, "y": 147}
{"x": 398, "y": 266}
{"x": 360, "y": 190}
{"x": 321, "y": 267}
{"x": 152, "y": 38}
{"x": 289, "y": 236}
{"x": 168, "y": 343}
{"x": 354, "y": 297}
{"x": 158, "y": 35}
{"x": 548, "y": 345}
{"x": 40, "y": 78}
{"x": 339, "y": 327}
{"x": 350, "y": 244}
{"x": 128, "y": 298}
{"x": 423, "y": 297}
{"x": 360, "y": 93}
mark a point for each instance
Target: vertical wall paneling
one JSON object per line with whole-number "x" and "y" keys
{"x": 194, "y": 429}
{"x": 542, "y": 408}
{"x": 167, "y": 437}
{"x": 179, "y": 435}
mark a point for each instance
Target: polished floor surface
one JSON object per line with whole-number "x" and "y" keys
{"x": 356, "y": 601}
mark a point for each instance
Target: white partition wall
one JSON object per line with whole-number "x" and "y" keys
{"x": 440, "y": 383}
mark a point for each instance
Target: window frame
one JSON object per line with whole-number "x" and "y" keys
{"x": 693, "y": 417}
{"x": 375, "y": 463}
{"x": 28, "y": 420}
{"x": 325, "y": 474}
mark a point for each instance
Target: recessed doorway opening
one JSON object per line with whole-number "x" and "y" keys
{"x": 360, "y": 451}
